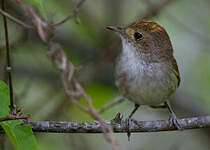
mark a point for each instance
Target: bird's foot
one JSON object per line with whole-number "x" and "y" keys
{"x": 128, "y": 122}
{"x": 117, "y": 119}
{"x": 174, "y": 121}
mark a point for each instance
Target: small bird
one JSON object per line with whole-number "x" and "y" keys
{"x": 146, "y": 71}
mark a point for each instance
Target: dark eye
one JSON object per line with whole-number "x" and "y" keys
{"x": 138, "y": 36}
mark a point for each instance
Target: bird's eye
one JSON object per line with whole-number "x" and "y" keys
{"x": 138, "y": 36}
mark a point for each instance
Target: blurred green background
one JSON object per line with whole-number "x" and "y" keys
{"x": 88, "y": 45}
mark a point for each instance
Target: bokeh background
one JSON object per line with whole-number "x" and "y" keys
{"x": 92, "y": 48}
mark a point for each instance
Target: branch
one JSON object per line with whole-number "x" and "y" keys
{"x": 136, "y": 126}
{"x": 9, "y": 66}
{"x": 14, "y": 117}
{"x": 73, "y": 15}
{"x": 71, "y": 85}
{"x": 15, "y": 20}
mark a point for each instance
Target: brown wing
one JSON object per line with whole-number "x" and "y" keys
{"x": 176, "y": 70}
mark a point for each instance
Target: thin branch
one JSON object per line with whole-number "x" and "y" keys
{"x": 71, "y": 86}
{"x": 107, "y": 129}
{"x": 8, "y": 67}
{"x": 110, "y": 104}
{"x": 136, "y": 126}
{"x": 16, "y": 20}
{"x": 73, "y": 15}
{"x": 80, "y": 106}
{"x": 14, "y": 117}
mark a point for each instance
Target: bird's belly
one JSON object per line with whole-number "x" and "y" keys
{"x": 148, "y": 91}
{"x": 148, "y": 84}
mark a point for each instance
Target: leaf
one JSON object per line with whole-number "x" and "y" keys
{"x": 4, "y": 99}
{"x": 38, "y": 4}
{"x": 21, "y": 136}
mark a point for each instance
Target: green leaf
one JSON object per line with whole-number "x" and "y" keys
{"x": 38, "y": 4}
{"x": 4, "y": 99}
{"x": 21, "y": 136}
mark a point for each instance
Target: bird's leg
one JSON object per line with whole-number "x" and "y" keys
{"x": 134, "y": 110}
{"x": 128, "y": 121}
{"x": 172, "y": 118}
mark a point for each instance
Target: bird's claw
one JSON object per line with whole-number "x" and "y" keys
{"x": 117, "y": 119}
{"x": 128, "y": 127}
{"x": 174, "y": 121}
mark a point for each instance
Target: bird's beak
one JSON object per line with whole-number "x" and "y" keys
{"x": 115, "y": 29}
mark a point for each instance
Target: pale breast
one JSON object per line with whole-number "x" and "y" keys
{"x": 146, "y": 84}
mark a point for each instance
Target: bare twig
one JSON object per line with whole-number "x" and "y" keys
{"x": 71, "y": 86}
{"x": 107, "y": 130}
{"x": 73, "y": 15}
{"x": 110, "y": 104}
{"x": 8, "y": 67}
{"x": 74, "y": 101}
{"x": 16, "y": 20}
{"x": 45, "y": 31}
{"x": 136, "y": 126}
{"x": 14, "y": 117}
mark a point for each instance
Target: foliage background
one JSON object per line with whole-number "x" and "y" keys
{"x": 89, "y": 46}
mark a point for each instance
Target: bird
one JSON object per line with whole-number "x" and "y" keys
{"x": 146, "y": 71}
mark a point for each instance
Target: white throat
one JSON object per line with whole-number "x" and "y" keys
{"x": 128, "y": 49}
